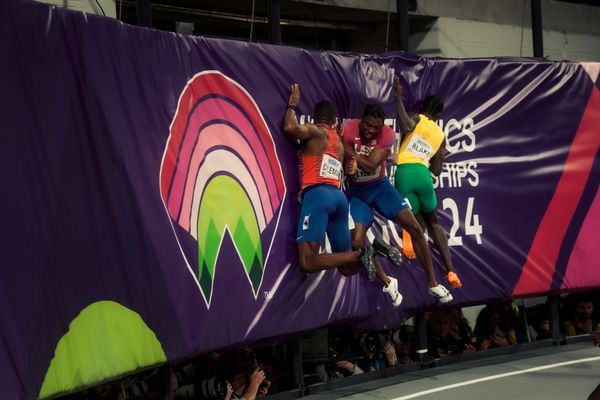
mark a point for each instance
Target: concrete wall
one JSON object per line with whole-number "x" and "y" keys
{"x": 491, "y": 28}
{"x": 556, "y": 15}
{"x": 452, "y": 37}
{"x": 88, "y": 6}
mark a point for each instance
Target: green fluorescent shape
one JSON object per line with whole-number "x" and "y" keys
{"x": 105, "y": 340}
{"x": 226, "y": 205}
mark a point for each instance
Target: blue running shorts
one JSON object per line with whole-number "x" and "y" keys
{"x": 380, "y": 196}
{"x": 324, "y": 209}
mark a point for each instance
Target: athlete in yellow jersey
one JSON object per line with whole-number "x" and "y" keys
{"x": 421, "y": 152}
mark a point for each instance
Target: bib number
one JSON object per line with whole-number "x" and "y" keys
{"x": 330, "y": 167}
{"x": 362, "y": 176}
{"x": 420, "y": 148}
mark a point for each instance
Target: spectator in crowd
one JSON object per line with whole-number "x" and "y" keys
{"x": 370, "y": 350}
{"x": 462, "y": 328}
{"x": 232, "y": 374}
{"x": 388, "y": 349}
{"x": 249, "y": 384}
{"x": 496, "y": 325}
{"x": 337, "y": 369}
{"x": 403, "y": 339}
{"x": 582, "y": 322}
{"x": 443, "y": 335}
{"x": 342, "y": 356}
{"x": 540, "y": 322}
{"x": 106, "y": 391}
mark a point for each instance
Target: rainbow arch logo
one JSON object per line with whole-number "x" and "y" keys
{"x": 220, "y": 173}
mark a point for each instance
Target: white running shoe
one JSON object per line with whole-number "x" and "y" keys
{"x": 442, "y": 294}
{"x": 392, "y": 290}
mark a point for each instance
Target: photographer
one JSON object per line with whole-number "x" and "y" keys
{"x": 213, "y": 389}
{"x": 342, "y": 360}
{"x": 192, "y": 382}
{"x": 403, "y": 340}
{"x": 249, "y": 384}
{"x": 372, "y": 360}
{"x": 337, "y": 369}
{"x": 443, "y": 335}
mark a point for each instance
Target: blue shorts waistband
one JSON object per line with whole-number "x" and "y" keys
{"x": 319, "y": 185}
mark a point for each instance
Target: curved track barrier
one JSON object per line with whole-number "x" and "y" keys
{"x": 147, "y": 172}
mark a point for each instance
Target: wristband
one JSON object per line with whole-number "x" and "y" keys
{"x": 293, "y": 107}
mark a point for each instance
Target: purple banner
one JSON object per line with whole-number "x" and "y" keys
{"x": 150, "y": 195}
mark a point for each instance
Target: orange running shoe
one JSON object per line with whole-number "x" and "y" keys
{"x": 407, "y": 246}
{"x": 453, "y": 280}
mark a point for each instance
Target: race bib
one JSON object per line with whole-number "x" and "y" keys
{"x": 362, "y": 176}
{"x": 420, "y": 148}
{"x": 330, "y": 167}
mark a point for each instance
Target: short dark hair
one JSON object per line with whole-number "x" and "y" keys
{"x": 374, "y": 110}
{"x": 583, "y": 298}
{"x": 325, "y": 111}
{"x": 432, "y": 105}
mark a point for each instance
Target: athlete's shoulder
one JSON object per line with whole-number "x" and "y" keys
{"x": 351, "y": 125}
{"x": 387, "y": 137}
{"x": 387, "y": 131}
{"x": 350, "y": 130}
{"x": 427, "y": 125}
{"x": 321, "y": 130}
{"x": 426, "y": 121}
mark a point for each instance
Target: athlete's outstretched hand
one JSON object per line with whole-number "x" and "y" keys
{"x": 294, "y": 96}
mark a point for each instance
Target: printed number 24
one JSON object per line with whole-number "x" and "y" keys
{"x": 472, "y": 226}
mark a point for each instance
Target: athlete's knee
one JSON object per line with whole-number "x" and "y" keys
{"x": 358, "y": 237}
{"x": 306, "y": 253}
{"x": 407, "y": 220}
{"x": 413, "y": 227}
{"x": 422, "y": 223}
{"x": 348, "y": 270}
{"x": 430, "y": 217}
{"x": 303, "y": 264}
{"x": 357, "y": 243}
{"x": 431, "y": 222}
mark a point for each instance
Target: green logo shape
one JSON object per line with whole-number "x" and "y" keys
{"x": 104, "y": 340}
{"x": 226, "y": 206}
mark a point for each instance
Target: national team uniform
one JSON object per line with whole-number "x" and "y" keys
{"x": 324, "y": 206}
{"x": 372, "y": 191}
{"x": 413, "y": 179}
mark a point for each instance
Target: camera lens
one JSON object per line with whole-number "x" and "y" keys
{"x": 212, "y": 389}
{"x": 369, "y": 343}
{"x": 332, "y": 353}
{"x": 220, "y": 388}
{"x": 264, "y": 384}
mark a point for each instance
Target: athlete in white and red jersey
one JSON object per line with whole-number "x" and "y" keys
{"x": 368, "y": 140}
{"x": 324, "y": 206}
{"x": 362, "y": 146}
